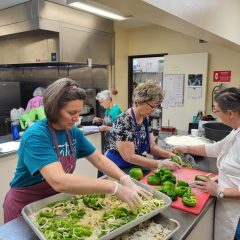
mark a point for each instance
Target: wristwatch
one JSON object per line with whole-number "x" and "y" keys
{"x": 220, "y": 193}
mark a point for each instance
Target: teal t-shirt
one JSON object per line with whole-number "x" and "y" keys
{"x": 37, "y": 150}
{"x": 113, "y": 112}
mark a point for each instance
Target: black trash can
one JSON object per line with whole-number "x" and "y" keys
{"x": 216, "y": 131}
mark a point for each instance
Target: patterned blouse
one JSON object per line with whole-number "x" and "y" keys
{"x": 124, "y": 130}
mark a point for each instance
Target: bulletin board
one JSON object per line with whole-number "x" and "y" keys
{"x": 173, "y": 88}
{"x": 193, "y": 66}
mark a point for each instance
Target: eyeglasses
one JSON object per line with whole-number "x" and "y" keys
{"x": 152, "y": 107}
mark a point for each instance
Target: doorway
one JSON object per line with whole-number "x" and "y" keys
{"x": 142, "y": 68}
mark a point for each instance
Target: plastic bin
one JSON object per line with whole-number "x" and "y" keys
{"x": 216, "y": 131}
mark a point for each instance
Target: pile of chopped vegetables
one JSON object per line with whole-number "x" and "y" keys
{"x": 89, "y": 216}
{"x": 148, "y": 230}
{"x": 172, "y": 187}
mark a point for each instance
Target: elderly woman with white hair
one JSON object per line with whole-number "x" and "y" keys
{"x": 111, "y": 110}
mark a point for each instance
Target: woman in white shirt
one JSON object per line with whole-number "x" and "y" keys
{"x": 227, "y": 152}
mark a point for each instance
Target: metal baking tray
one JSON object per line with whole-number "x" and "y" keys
{"x": 166, "y": 222}
{"x": 36, "y": 206}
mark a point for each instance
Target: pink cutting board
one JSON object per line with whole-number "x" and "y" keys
{"x": 187, "y": 175}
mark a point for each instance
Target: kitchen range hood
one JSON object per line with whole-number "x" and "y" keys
{"x": 41, "y": 32}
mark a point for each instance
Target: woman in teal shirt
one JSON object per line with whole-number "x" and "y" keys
{"x": 111, "y": 112}
{"x": 48, "y": 152}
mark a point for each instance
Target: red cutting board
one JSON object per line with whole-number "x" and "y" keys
{"x": 187, "y": 175}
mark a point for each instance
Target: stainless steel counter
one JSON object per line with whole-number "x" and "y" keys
{"x": 8, "y": 138}
{"x": 18, "y": 228}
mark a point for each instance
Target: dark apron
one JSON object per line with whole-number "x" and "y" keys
{"x": 17, "y": 198}
{"x": 142, "y": 146}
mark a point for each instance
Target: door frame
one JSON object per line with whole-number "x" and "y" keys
{"x": 130, "y": 71}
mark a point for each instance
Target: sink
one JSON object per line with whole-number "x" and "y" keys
{"x": 216, "y": 131}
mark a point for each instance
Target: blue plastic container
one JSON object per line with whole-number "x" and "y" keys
{"x": 15, "y": 130}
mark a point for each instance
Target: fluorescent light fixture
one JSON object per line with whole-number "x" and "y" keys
{"x": 97, "y": 9}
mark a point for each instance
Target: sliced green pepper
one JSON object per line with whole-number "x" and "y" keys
{"x": 181, "y": 190}
{"x": 47, "y": 212}
{"x": 182, "y": 183}
{"x": 189, "y": 199}
{"x": 154, "y": 180}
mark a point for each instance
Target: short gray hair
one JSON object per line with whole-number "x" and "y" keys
{"x": 104, "y": 95}
{"x": 58, "y": 94}
{"x": 148, "y": 91}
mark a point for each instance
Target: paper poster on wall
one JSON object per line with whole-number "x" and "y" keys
{"x": 173, "y": 88}
{"x": 195, "y": 83}
{"x": 194, "y": 92}
{"x": 195, "y": 79}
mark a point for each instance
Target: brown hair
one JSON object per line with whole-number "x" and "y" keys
{"x": 58, "y": 94}
{"x": 228, "y": 99}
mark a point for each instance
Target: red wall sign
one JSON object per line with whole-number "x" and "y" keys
{"x": 221, "y": 76}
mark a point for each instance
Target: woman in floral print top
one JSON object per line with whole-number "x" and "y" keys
{"x": 131, "y": 134}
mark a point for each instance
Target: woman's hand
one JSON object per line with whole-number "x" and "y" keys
{"x": 168, "y": 164}
{"x": 127, "y": 181}
{"x": 104, "y": 128}
{"x": 126, "y": 194}
{"x": 207, "y": 186}
{"x": 97, "y": 119}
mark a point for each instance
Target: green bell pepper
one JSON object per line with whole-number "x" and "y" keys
{"x": 168, "y": 177}
{"x": 153, "y": 180}
{"x": 197, "y": 177}
{"x": 169, "y": 191}
{"x": 169, "y": 184}
{"x": 177, "y": 159}
{"x": 181, "y": 190}
{"x": 181, "y": 183}
{"x": 189, "y": 199}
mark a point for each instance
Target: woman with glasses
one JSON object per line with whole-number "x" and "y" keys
{"x": 131, "y": 135}
{"x": 48, "y": 152}
{"x": 227, "y": 152}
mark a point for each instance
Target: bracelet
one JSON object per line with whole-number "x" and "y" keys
{"x": 125, "y": 179}
{"x": 115, "y": 189}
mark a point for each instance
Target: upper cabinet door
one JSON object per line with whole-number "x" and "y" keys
{"x": 79, "y": 45}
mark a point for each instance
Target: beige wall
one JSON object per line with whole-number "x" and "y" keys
{"x": 155, "y": 39}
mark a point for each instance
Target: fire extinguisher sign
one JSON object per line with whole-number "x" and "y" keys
{"x": 222, "y": 76}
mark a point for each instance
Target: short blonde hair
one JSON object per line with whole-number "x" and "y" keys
{"x": 148, "y": 91}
